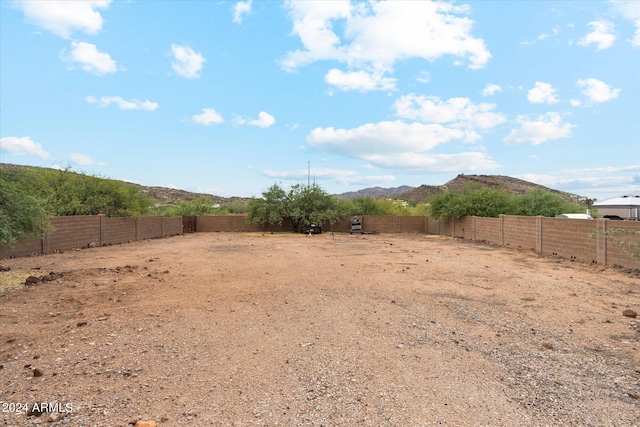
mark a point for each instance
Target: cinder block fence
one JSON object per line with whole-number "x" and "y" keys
{"x": 73, "y": 232}
{"x": 562, "y": 237}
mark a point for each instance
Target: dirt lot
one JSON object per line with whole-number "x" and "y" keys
{"x": 217, "y": 329}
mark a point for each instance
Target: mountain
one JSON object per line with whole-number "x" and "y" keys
{"x": 163, "y": 195}
{"x": 496, "y": 182}
{"x": 159, "y": 195}
{"x": 375, "y": 192}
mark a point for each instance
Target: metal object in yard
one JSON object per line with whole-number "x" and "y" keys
{"x": 356, "y": 225}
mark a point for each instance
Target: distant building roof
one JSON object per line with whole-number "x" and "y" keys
{"x": 629, "y": 201}
{"x": 574, "y": 216}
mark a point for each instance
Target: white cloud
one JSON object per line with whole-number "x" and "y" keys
{"x": 491, "y": 89}
{"x": 359, "y": 80}
{"x": 629, "y": 10}
{"x": 123, "y": 104}
{"x": 82, "y": 160}
{"x": 603, "y": 35}
{"x": 65, "y": 17}
{"x": 22, "y": 146}
{"x": 434, "y": 163}
{"x": 556, "y": 30}
{"x": 264, "y": 120}
{"x": 208, "y": 116}
{"x": 544, "y": 128}
{"x": 460, "y": 112}
{"x": 598, "y": 182}
{"x": 597, "y": 91}
{"x": 542, "y": 93}
{"x": 424, "y": 77}
{"x": 382, "y": 138}
{"x": 375, "y": 35}
{"x": 398, "y": 145}
{"x": 186, "y": 62}
{"x": 240, "y": 9}
{"x": 90, "y": 58}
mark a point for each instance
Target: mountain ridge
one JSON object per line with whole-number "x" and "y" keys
{"x": 420, "y": 194}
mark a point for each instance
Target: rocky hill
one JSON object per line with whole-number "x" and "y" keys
{"x": 163, "y": 195}
{"x": 376, "y": 192}
{"x": 507, "y": 183}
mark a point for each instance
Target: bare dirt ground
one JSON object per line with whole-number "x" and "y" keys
{"x": 218, "y": 329}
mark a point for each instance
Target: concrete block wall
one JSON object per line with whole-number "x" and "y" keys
{"x": 519, "y": 232}
{"x": 73, "y": 232}
{"x": 76, "y": 232}
{"x": 119, "y": 230}
{"x": 149, "y": 227}
{"x": 569, "y": 238}
{"x": 171, "y": 226}
{"x": 487, "y": 229}
{"x": 613, "y": 254}
{"x": 563, "y": 237}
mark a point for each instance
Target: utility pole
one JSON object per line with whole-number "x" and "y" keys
{"x": 308, "y": 173}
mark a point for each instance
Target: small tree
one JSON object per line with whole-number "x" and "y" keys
{"x": 540, "y": 202}
{"x": 21, "y": 215}
{"x": 271, "y": 209}
{"x": 303, "y": 205}
{"x": 471, "y": 201}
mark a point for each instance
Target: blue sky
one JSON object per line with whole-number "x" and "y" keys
{"x": 228, "y": 98}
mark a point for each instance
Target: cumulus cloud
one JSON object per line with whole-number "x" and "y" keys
{"x": 123, "y": 104}
{"x": 240, "y": 9}
{"x": 82, "y": 160}
{"x": 434, "y": 163}
{"x": 601, "y": 182}
{"x": 542, "y": 93}
{"x": 597, "y": 91}
{"x": 459, "y": 112}
{"x": 208, "y": 116}
{"x": 397, "y": 145}
{"x": 602, "y": 35}
{"x": 491, "y": 89}
{"x": 362, "y": 81}
{"x": 90, "y": 58}
{"x": 630, "y": 10}
{"x": 65, "y": 17}
{"x": 543, "y": 128}
{"x": 264, "y": 120}
{"x": 186, "y": 62}
{"x": 375, "y": 35}
{"x": 22, "y": 146}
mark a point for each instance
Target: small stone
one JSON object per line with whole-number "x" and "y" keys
{"x": 547, "y": 345}
{"x": 142, "y": 423}
{"x": 55, "y": 416}
{"x": 31, "y": 280}
{"x": 400, "y": 345}
{"x": 37, "y": 372}
{"x": 630, "y": 313}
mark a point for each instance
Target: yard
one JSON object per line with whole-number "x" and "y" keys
{"x": 211, "y": 329}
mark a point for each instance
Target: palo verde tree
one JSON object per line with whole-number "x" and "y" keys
{"x": 21, "y": 214}
{"x": 471, "y": 201}
{"x": 302, "y": 205}
{"x": 542, "y": 203}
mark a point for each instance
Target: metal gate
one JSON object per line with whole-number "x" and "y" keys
{"x": 189, "y": 224}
